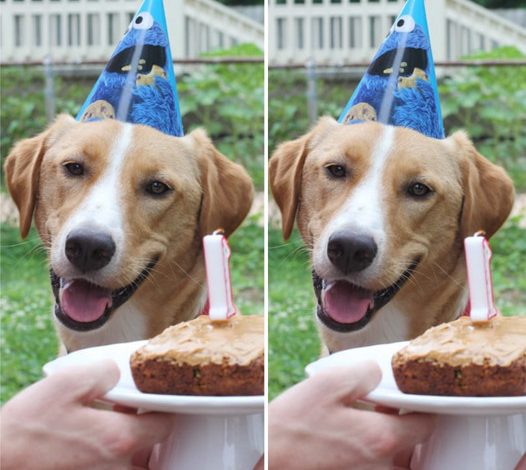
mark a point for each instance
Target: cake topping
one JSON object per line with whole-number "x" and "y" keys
{"x": 461, "y": 342}
{"x": 238, "y": 340}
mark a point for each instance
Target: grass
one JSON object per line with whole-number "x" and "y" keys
{"x": 293, "y": 340}
{"x": 28, "y": 339}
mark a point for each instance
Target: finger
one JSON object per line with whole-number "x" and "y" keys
{"x": 402, "y": 460}
{"x": 143, "y": 431}
{"x": 389, "y": 435}
{"x": 386, "y": 410}
{"x": 124, "y": 409}
{"x": 347, "y": 383}
{"x": 84, "y": 383}
{"x": 415, "y": 427}
{"x": 141, "y": 458}
{"x": 403, "y": 432}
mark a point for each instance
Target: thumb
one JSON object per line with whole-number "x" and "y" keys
{"x": 347, "y": 383}
{"x": 84, "y": 383}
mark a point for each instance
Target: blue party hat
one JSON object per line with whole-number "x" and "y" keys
{"x": 399, "y": 87}
{"x": 138, "y": 83}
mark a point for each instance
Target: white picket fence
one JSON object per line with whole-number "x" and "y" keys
{"x": 85, "y": 30}
{"x": 347, "y": 31}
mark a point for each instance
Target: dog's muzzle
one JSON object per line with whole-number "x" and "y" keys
{"x": 345, "y": 307}
{"x": 83, "y": 306}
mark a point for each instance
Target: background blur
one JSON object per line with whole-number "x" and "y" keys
{"x": 319, "y": 50}
{"x": 52, "y": 53}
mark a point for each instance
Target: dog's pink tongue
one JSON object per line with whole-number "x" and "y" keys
{"x": 346, "y": 303}
{"x": 83, "y": 301}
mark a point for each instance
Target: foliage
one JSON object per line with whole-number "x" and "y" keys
{"x": 28, "y": 338}
{"x": 287, "y": 107}
{"x": 293, "y": 340}
{"x": 488, "y": 102}
{"x": 227, "y": 100}
{"x": 23, "y": 113}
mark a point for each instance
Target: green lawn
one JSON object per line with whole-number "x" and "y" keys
{"x": 293, "y": 340}
{"x": 27, "y": 339}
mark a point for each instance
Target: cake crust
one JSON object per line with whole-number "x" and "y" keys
{"x": 465, "y": 359}
{"x": 201, "y": 357}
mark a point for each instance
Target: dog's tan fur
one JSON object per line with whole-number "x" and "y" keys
{"x": 209, "y": 192}
{"x": 470, "y": 194}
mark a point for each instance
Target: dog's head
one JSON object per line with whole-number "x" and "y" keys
{"x": 378, "y": 205}
{"x": 113, "y": 202}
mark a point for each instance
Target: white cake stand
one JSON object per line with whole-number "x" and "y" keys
{"x": 210, "y": 433}
{"x": 472, "y": 433}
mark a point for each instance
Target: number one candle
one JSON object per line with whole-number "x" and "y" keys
{"x": 478, "y": 257}
{"x": 217, "y": 261}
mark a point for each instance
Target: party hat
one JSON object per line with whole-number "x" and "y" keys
{"x": 399, "y": 87}
{"x": 138, "y": 83}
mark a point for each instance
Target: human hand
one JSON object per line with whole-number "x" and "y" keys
{"x": 313, "y": 425}
{"x": 51, "y": 425}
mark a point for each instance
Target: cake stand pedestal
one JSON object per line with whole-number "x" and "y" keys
{"x": 210, "y": 433}
{"x": 211, "y": 443}
{"x": 473, "y": 443}
{"x": 472, "y": 433}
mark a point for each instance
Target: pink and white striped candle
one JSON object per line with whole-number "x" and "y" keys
{"x": 217, "y": 261}
{"x": 478, "y": 257}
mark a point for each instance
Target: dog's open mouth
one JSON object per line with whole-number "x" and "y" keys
{"x": 412, "y": 58}
{"x": 344, "y": 307}
{"x": 82, "y": 306}
{"x": 150, "y": 56}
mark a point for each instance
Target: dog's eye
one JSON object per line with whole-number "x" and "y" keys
{"x": 74, "y": 168}
{"x": 336, "y": 171}
{"x": 157, "y": 188}
{"x": 418, "y": 190}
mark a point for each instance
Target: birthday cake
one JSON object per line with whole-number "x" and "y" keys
{"x": 465, "y": 358}
{"x": 202, "y": 357}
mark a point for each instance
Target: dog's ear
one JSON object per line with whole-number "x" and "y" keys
{"x": 488, "y": 190}
{"x": 285, "y": 172}
{"x": 22, "y": 169}
{"x": 227, "y": 189}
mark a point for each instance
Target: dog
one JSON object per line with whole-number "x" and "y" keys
{"x": 384, "y": 211}
{"x": 121, "y": 209}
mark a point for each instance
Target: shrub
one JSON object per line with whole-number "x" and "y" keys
{"x": 490, "y": 103}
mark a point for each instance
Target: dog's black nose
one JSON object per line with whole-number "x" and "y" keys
{"x": 351, "y": 252}
{"x": 88, "y": 250}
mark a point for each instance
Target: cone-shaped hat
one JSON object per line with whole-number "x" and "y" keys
{"x": 138, "y": 83}
{"x": 399, "y": 87}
